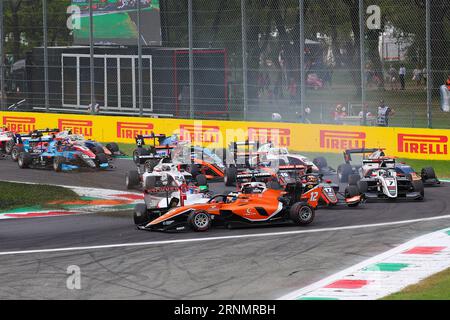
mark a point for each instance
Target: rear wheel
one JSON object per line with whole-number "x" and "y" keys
{"x": 57, "y": 163}
{"x": 230, "y": 176}
{"x": 140, "y": 215}
{"x": 201, "y": 180}
{"x": 132, "y": 179}
{"x": 320, "y": 162}
{"x": 199, "y": 221}
{"x": 15, "y": 151}
{"x": 353, "y": 179}
{"x": 419, "y": 187}
{"x": 24, "y": 160}
{"x": 428, "y": 173}
{"x": 150, "y": 182}
{"x": 101, "y": 158}
{"x": 9, "y": 145}
{"x": 113, "y": 147}
{"x": 193, "y": 170}
{"x": 344, "y": 171}
{"x": 362, "y": 186}
{"x": 302, "y": 214}
{"x": 140, "y": 152}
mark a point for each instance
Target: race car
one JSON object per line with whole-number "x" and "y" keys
{"x": 375, "y": 157}
{"x": 57, "y": 154}
{"x": 193, "y": 159}
{"x": 318, "y": 192}
{"x": 269, "y": 152}
{"x": 385, "y": 183}
{"x": 253, "y": 205}
{"x": 17, "y": 143}
{"x": 6, "y": 142}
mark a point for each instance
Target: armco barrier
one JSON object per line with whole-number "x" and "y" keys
{"x": 402, "y": 142}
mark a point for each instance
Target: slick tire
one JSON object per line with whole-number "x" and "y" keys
{"x": 57, "y": 163}
{"x": 201, "y": 180}
{"x": 320, "y": 162}
{"x": 113, "y": 147}
{"x": 24, "y": 160}
{"x": 15, "y": 151}
{"x": 302, "y": 214}
{"x": 132, "y": 179}
{"x": 362, "y": 186}
{"x": 193, "y": 170}
{"x": 140, "y": 152}
{"x": 230, "y": 176}
{"x": 101, "y": 158}
{"x": 353, "y": 179}
{"x": 140, "y": 215}
{"x": 150, "y": 182}
{"x": 199, "y": 221}
{"x": 428, "y": 173}
{"x": 351, "y": 191}
{"x": 9, "y": 145}
{"x": 343, "y": 172}
{"x": 419, "y": 187}
{"x": 98, "y": 150}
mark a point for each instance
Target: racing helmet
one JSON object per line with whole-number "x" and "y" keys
{"x": 253, "y": 187}
{"x": 312, "y": 179}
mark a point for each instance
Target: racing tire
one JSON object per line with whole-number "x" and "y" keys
{"x": 230, "y": 176}
{"x": 101, "y": 158}
{"x": 193, "y": 170}
{"x": 353, "y": 179}
{"x": 199, "y": 221}
{"x": 302, "y": 214}
{"x": 9, "y": 145}
{"x": 150, "y": 182}
{"x": 274, "y": 184}
{"x": 140, "y": 215}
{"x": 15, "y": 151}
{"x": 139, "y": 152}
{"x": 428, "y": 173}
{"x": 419, "y": 187}
{"x": 351, "y": 191}
{"x": 57, "y": 163}
{"x": 97, "y": 150}
{"x": 362, "y": 186}
{"x": 344, "y": 171}
{"x": 24, "y": 160}
{"x": 320, "y": 162}
{"x": 201, "y": 180}
{"x": 132, "y": 179}
{"x": 113, "y": 147}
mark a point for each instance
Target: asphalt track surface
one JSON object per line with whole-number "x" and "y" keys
{"x": 256, "y": 263}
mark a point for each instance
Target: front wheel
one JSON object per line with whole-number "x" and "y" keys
{"x": 57, "y": 163}
{"x": 230, "y": 176}
{"x": 15, "y": 151}
{"x": 302, "y": 214}
{"x": 24, "y": 160}
{"x": 199, "y": 221}
{"x": 140, "y": 215}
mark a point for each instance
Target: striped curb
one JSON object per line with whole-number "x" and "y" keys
{"x": 91, "y": 200}
{"x": 382, "y": 275}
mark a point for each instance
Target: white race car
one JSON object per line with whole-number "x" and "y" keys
{"x": 269, "y": 152}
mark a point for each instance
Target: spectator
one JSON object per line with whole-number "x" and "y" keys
{"x": 339, "y": 114}
{"x": 384, "y": 112}
{"x": 392, "y": 77}
{"x": 402, "y": 76}
{"x": 293, "y": 90}
{"x": 447, "y": 83}
{"x": 424, "y": 76}
{"x": 417, "y": 76}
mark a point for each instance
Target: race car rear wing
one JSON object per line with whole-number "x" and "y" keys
{"x": 349, "y": 152}
{"x": 140, "y": 139}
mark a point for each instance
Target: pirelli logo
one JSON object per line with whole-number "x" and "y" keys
{"x": 199, "y": 134}
{"x": 19, "y": 124}
{"x": 129, "y": 130}
{"x": 83, "y": 127}
{"x": 422, "y": 144}
{"x": 278, "y": 136}
{"x": 342, "y": 140}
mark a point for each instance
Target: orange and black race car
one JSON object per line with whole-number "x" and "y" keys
{"x": 318, "y": 192}
{"x": 253, "y": 205}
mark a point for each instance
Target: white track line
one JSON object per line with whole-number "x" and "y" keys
{"x": 365, "y": 263}
{"x": 243, "y": 236}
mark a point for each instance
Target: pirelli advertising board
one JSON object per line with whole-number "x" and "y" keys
{"x": 415, "y": 143}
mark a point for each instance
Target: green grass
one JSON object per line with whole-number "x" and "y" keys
{"x": 436, "y": 287}
{"x": 17, "y": 195}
